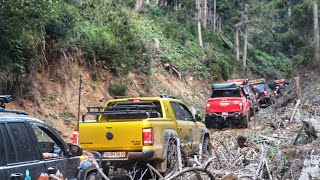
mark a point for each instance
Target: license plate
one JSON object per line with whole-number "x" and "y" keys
{"x": 224, "y": 114}
{"x": 119, "y": 154}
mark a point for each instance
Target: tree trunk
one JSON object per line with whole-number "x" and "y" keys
{"x": 214, "y": 15}
{"x": 205, "y": 14}
{"x": 139, "y": 5}
{"x": 316, "y": 33}
{"x": 199, "y": 24}
{"x": 245, "y": 47}
{"x": 237, "y": 44}
{"x": 220, "y": 24}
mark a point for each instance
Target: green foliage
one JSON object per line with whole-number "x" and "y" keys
{"x": 113, "y": 34}
{"x": 117, "y": 89}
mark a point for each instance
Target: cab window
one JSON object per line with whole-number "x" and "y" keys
{"x": 47, "y": 142}
{"x": 23, "y": 144}
{"x": 181, "y": 112}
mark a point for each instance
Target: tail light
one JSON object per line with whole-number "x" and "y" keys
{"x": 208, "y": 107}
{"x": 86, "y": 155}
{"x": 147, "y": 136}
{"x": 241, "y": 105}
{"x": 265, "y": 93}
{"x": 75, "y": 137}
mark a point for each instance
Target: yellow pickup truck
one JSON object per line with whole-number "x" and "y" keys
{"x": 144, "y": 130}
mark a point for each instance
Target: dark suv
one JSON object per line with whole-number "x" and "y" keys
{"x": 266, "y": 95}
{"x": 30, "y": 149}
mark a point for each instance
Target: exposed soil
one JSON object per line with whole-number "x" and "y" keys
{"x": 57, "y": 92}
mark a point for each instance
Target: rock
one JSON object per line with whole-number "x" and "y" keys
{"x": 231, "y": 176}
{"x": 312, "y": 127}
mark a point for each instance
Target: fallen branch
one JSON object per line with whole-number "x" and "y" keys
{"x": 202, "y": 168}
{"x": 154, "y": 170}
{"x": 295, "y": 109}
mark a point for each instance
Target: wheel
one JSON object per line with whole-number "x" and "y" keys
{"x": 212, "y": 123}
{"x": 208, "y": 123}
{"x": 252, "y": 112}
{"x": 206, "y": 149}
{"x": 172, "y": 156}
{"x": 257, "y": 109}
{"x": 92, "y": 176}
{"x": 245, "y": 121}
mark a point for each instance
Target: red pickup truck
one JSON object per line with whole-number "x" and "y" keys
{"x": 228, "y": 105}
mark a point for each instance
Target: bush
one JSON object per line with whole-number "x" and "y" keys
{"x": 117, "y": 89}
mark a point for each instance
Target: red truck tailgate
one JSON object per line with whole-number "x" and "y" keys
{"x": 226, "y": 104}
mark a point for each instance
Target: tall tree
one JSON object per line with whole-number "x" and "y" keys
{"x": 214, "y": 15}
{"x": 199, "y": 23}
{"x": 245, "y": 43}
{"x": 237, "y": 44}
{"x": 205, "y": 13}
{"x": 316, "y": 33}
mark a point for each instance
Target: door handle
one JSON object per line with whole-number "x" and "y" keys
{"x": 17, "y": 176}
{"x": 52, "y": 170}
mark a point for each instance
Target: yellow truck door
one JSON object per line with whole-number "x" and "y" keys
{"x": 187, "y": 128}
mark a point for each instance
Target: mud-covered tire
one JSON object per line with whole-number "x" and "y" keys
{"x": 92, "y": 176}
{"x": 257, "y": 109}
{"x": 212, "y": 124}
{"x": 206, "y": 148}
{"x": 172, "y": 155}
{"x": 252, "y": 112}
{"x": 245, "y": 121}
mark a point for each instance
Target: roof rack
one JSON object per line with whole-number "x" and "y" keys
{"x": 7, "y": 99}
{"x": 12, "y": 111}
{"x": 257, "y": 81}
{"x": 163, "y": 95}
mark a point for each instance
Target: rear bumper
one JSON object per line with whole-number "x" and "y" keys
{"x": 233, "y": 115}
{"x": 131, "y": 159}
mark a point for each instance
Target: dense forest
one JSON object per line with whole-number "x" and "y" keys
{"x": 210, "y": 39}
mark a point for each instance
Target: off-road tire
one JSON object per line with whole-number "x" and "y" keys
{"x": 172, "y": 156}
{"x": 212, "y": 124}
{"x": 257, "y": 109}
{"x": 92, "y": 176}
{"x": 252, "y": 112}
{"x": 245, "y": 121}
{"x": 206, "y": 148}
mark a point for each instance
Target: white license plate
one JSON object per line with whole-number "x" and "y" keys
{"x": 224, "y": 114}
{"x": 119, "y": 154}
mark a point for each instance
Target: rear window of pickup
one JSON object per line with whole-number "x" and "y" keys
{"x": 225, "y": 93}
{"x": 132, "y": 110}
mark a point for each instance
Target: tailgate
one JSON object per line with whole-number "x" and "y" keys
{"x": 111, "y": 136}
{"x": 223, "y": 105}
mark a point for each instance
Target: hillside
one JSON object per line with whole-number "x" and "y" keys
{"x": 57, "y": 93}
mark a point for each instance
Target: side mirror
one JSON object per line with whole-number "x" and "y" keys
{"x": 75, "y": 150}
{"x": 197, "y": 117}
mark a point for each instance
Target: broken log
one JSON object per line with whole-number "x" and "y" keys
{"x": 295, "y": 109}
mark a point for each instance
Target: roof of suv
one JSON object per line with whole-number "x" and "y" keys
{"x": 4, "y": 116}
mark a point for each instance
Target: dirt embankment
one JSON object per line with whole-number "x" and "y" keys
{"x": 57, "y": 92}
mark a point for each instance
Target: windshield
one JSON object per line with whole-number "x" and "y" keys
{"x": 260, "y": 87}
{"x": 226, "y": 93}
